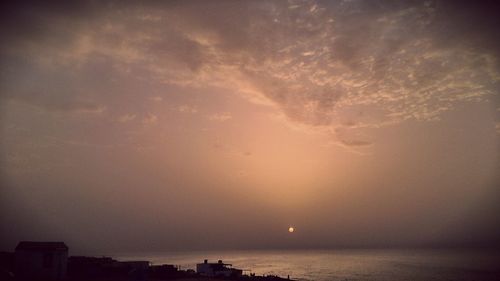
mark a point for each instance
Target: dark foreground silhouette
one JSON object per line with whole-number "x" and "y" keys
{"x": 49, "y": 261}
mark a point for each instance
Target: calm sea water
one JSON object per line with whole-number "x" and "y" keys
{"x": 374, "y": 265}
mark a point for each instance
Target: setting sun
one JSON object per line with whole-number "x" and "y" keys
{"x": 192, "y": 132}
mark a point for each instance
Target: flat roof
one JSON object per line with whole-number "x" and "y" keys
{"x": 41, "y": 246}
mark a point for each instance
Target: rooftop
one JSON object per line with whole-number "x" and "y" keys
{"x": 41, "y": 246}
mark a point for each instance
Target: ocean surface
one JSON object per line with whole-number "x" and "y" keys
{"x": 387, "y": 265}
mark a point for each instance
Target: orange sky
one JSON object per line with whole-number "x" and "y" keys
{"x": 359, "y": 124}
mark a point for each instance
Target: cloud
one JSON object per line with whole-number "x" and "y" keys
{"x": 82, "y": 107}
{"x": 63, "y": 105}
{"x": 351, "y": 138}
{"x": 188, "y": 109}
{"x": 315, "y": 62}
{"x": 150, "y": 119}
{"x": 402, "y": 74}
{"x": 156, "y": 99}
{"x": 355, "y": 142}
{"x": 126, "y": 118}
{"x": 221, "y": 117}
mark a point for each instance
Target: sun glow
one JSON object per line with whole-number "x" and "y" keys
{"x": 291, "y": 229}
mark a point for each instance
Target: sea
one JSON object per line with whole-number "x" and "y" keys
{"x": 346, "y": 265}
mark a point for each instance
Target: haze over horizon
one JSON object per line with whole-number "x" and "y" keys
{"x": 140, "y": 126}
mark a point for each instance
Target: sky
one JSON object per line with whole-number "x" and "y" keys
{"x": 185, "y": 125}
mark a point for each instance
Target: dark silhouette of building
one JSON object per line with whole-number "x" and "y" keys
{"x": 40, "y": 260}
{"x": 217, "y": 269}
{"x": 6, "y": 266}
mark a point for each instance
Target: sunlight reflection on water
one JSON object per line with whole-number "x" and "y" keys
{"x": 347, "y": 264}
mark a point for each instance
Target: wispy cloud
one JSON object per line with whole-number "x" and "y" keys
{"x": 355, "y": 142}
{"x": 126, "y": 118}
{"x": 221, "y": 117}
{"x": 150, "y": 119}
{"x": 316, "y": 63}
{"x": 188, "y": 109}
{"x": 156, "y": 99}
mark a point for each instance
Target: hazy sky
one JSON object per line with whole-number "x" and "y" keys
{"x": 130, "y": 126}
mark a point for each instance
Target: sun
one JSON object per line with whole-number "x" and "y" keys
{"x": 291, "y": 229}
